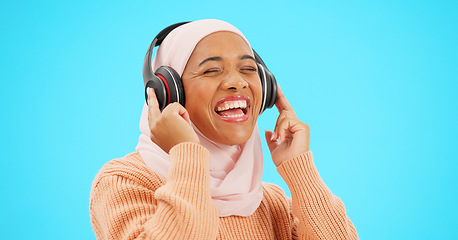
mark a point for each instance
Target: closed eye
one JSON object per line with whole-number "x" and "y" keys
{"x": 250, "y": 69}
{"x": 212, "y": 70}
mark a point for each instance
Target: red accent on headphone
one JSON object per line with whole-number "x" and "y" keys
{"x": 166, "y": 86}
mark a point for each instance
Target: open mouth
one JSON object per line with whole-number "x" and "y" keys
{"x": 233, "y": 108}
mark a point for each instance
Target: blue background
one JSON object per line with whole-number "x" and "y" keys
{"x": 376, "y": 82}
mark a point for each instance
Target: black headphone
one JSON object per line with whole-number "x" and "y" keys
{"x": 168, "y": 85}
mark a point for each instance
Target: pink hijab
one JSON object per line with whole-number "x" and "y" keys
{"x": 235, "y": 171}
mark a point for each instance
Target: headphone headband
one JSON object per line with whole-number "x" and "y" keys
{"x": 161, "y": 35}
{"x": 147, "y": 69}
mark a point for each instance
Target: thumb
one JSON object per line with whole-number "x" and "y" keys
{"x": 271, "y": 143}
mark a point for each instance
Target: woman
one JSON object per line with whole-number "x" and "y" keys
{"x": 197, "y": 170}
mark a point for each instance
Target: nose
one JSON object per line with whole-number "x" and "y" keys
{"x": 234, "y": 82}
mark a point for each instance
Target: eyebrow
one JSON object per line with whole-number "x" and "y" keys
{"x": 247, "y": 57}
{"x": 211, "y": 59}
{"x": 243, "y": 57}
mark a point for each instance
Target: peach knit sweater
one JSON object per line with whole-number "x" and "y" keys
{"x": 129, "y": 201}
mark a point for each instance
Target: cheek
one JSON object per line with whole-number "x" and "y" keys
{"x": 257, "y": 92}
{"x": 198, "y": 98}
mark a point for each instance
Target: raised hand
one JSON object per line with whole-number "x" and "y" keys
{"x": 171, "y": 126}
{"x": 293, "y": 135}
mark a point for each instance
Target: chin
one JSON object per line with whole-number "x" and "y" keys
{"x": 236, "y": 141}
{"x": 234, "y": 137}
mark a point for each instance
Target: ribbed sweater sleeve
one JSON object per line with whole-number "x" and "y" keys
{"x": 182, "y": 208}
{"x": 320, "y": 214}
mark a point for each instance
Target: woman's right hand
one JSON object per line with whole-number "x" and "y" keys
{"x": 171, "y": 126}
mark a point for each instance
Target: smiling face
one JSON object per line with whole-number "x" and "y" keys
{"x": 222, "y": 88}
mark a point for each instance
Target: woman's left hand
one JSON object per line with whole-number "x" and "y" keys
{"x": 293, "y": 135}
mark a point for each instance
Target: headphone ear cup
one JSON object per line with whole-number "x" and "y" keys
{"x": 172, "y": 83}
{"x": 267, "y": 87}
{"x": 268, "y": 82}
{"x": 264, "y": 86}
{"x": 159, "y": 89}
{"x": 272, "y": 98}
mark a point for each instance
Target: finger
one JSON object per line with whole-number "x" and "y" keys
{"x": 285, "y": 128}
{"x": 281, "y": 117}
{"x": 186, "y": 117}
{"x": 153, "y": 105}
{"x": 290, "y": 126}
{"x": 282, "y": 134}
{"x": 183, "y": 113}
{"x": 272, "y": 144}
{"x": 177, "y": 108}
{"x": 282, "y": 103}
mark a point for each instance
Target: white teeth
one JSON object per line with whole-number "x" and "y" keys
{"x": 232, "y": 104}
{"x": 235, "y": 116}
